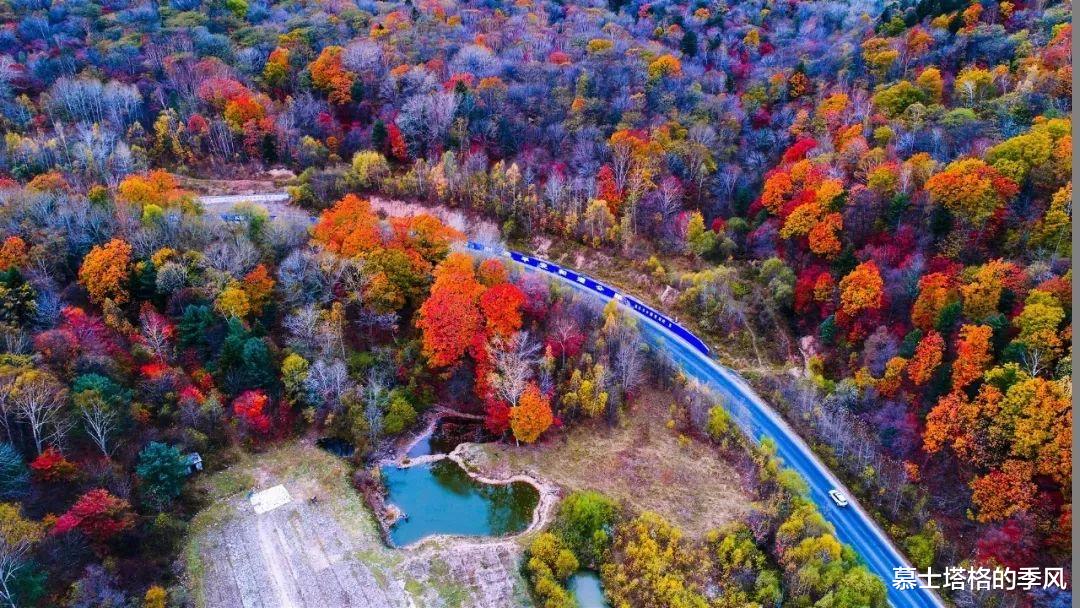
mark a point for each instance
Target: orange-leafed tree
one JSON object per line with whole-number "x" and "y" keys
{"x": 971, "y": 189}
{"x": 927, "y": 358}
{"x": 12, "y": 253}
{"x": 861, "y": 289}
{"x": 936, "y": 291}
{"x": 456, "y": 267}
{"x": 105, "y": 271}
{"x": 834, "y": 108}
{"x": 948, "y": 423}
{"x": 330, "y": 76}
{"x": 1004, "y": 492}
{"x": 778, "y": 186}
{"x": 450, "y": 317}
{"x": 917, "y": 42}
{"x": 244, "y": 112}
{"x": 350, "y": 228}
{"x": 50, "y": 181}
{"x": 973, "y": 355}
{"x": 893, "y": 377}
{"x": 532, "y": 415}
{"x": 157, "y": 187}
{"x": 664, "y": 65}
{"x": 425, "y": 234}
{"x": 501, "y": 306}
{"x": 824, "y": 286}
{"x": 276, "y": 71}
{"x": 1016, "y": 428}
{"x": 259, "y": 286}
{"x": 492, "y": 271}
{"x": 824, "y": 237}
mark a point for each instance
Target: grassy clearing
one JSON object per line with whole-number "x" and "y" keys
{"x": 641, "y": 463}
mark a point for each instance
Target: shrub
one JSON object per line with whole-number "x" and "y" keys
{"x": 584, "y": 523}
{"x": 399, "y": 416}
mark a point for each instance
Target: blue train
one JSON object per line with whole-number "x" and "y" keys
{"x": 603, "y": 290}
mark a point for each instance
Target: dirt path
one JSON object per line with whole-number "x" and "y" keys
{"x": 273, "y": 180}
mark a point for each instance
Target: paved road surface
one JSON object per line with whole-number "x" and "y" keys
{"x": 276, "y": 204}
{"x": 853, "y": 525}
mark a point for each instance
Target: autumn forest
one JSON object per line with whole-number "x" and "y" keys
{"x": 864, "y": 208}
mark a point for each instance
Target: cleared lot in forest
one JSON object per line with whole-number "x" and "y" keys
{"x": 640, "y": 462}
{"x": 330, "y": 554}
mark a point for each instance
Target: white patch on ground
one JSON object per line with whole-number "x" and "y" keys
{"x": 268, "y": 500}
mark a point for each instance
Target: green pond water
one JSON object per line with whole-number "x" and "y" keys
{"x": 440, "y": 498}
{"x": 586, "y": 589}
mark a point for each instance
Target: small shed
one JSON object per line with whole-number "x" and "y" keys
{"x": 194, "y": 463}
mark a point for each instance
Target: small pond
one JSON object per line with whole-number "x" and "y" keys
{"x": 440, "y": 498}
{"x": 586, "y": 589}
{"x": 337, "y": 447}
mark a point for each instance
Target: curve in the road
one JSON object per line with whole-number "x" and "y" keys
{"x": 853, "y": 525}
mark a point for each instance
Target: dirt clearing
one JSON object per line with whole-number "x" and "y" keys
{"x": 329, "y": 554}
{"x": 641, "y": 463}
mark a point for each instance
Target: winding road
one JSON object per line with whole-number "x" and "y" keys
{"x": 853, "y": 525}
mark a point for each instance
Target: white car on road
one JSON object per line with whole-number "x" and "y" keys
{"x": 838, "y": 498}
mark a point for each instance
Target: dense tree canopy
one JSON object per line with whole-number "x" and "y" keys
{"x": 874, "y": 196}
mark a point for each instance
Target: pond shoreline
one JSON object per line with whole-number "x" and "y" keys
{"x": 388, "y": 514}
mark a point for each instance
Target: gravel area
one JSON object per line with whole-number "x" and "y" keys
{"x": 330, "y": 553}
